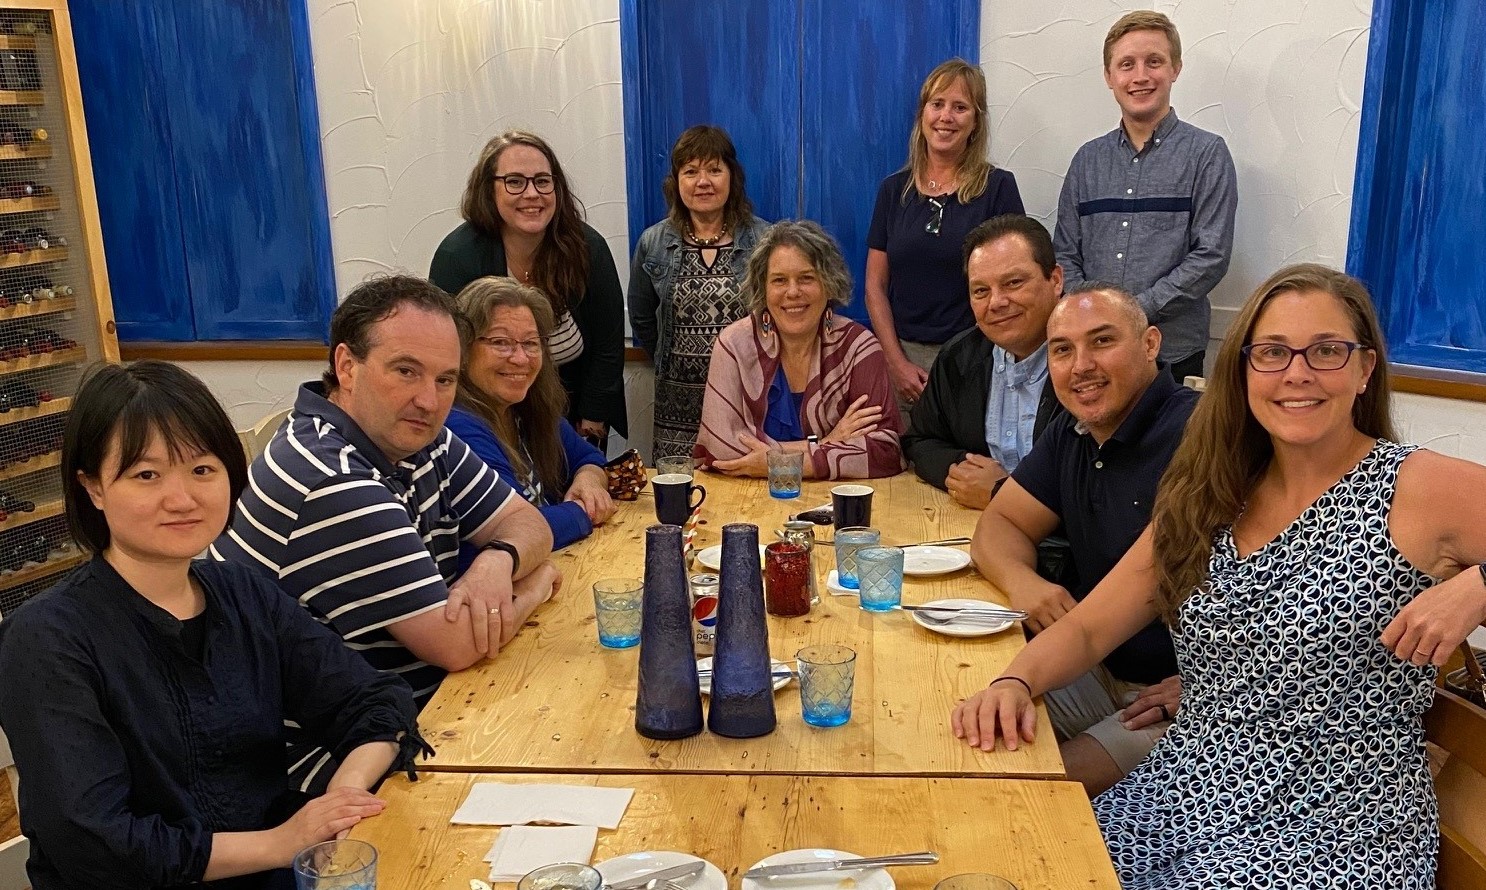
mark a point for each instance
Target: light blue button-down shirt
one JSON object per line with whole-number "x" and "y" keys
{"x": 1011, "y": 404}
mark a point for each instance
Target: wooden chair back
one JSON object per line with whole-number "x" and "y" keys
{"x": 256, "y": 439}
{"x": 1458, "y": 728}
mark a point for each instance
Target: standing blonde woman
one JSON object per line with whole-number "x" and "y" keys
{"x": 915, "y": 281}
{"x": 1298, "y": 554}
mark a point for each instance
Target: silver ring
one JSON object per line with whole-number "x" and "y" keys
{"x": 495, "y": 611}
{"x": 1165, "y": 714}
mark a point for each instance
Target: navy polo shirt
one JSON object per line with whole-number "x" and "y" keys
{"x": 1103, "y": 495}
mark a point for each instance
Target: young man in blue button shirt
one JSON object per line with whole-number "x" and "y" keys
{"x": 988, "y": 396}
{"x": 1150, "y": 206}
{"x": 1094, "y": 471}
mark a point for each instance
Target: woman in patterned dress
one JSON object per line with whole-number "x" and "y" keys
{"x": 686, "y": 278}
{"x": 1297, "y": 552}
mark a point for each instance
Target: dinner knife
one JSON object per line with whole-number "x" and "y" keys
{"x": 988, "y": 609}
{"x": 685, "y": 870}
{"x": 816, "y": 865}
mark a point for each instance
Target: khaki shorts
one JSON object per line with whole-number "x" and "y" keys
{"x": 1091, "y": 704}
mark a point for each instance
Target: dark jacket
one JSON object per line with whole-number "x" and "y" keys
{"x": 595, "y": 380}
{"x": 949, "y": 420}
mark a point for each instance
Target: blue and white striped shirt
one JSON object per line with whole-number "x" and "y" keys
{"x": 360, "y": 542}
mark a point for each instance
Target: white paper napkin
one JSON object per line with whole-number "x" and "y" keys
{"x": 500, "y": 803}
{"x": 520, "y": 848}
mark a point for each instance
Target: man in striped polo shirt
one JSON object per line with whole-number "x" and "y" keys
{"x": 1149, "y": 207}
{"x": 360, "y": 501}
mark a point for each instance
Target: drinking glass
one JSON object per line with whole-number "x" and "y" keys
{"x": 880, "y": 574}
{"x": 616, "y": 605}
{"x": 826, "y": 675}
{"x": 975, "y": 881}
{"x": 848, "y": 542}
{"x": 336, "y": 865}
{"x": 786, "y": 470}
{"x": 786, "y": 579}
{"x": 562, "y": 876}
{"x": 680, "y": 464}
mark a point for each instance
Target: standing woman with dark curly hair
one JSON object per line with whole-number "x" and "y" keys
{"x": 915, "y": 281}
{"x": 522, "y": 221}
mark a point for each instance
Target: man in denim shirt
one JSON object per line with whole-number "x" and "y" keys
{"x": 1149, "y": 206}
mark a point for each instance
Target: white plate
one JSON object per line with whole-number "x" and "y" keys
{"x": 923, "y": 560}
{"x": 866, "y": 879}
{"x": 639, "y": 864}
{"x": 711, "y": 557}
{"x": 963, "y": 627}
{"x": 705, "y": 663}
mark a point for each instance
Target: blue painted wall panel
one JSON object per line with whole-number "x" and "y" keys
{"x": 864, "y": 63}
{"x": 734, "y": 65}
{"x": 1420, "y": 202}
{"x": 206, "y": 154}
{"x": 818, "y": 95}
{"x": 124, "y": 99}
{"x": 246, "y": 212}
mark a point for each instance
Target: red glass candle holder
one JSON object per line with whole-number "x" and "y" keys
{"x": 786, "y": 579}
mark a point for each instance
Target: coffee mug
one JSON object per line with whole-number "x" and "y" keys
{"x": 852, "y": 505}
{"x": 673, "y": 497}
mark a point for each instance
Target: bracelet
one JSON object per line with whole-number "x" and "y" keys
{"x": 1017, "y": 679}
{"x": 508, "y": 549}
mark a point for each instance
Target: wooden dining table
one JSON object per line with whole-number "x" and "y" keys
{"x": 1039, "y": 834}
{"x": 555, "y": 700}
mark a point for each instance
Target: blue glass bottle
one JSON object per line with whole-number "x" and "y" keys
{"x": 742, "y": 683}
{"x": 668, "y": 703}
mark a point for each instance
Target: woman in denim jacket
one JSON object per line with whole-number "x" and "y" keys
{"x": 686, "y": 278}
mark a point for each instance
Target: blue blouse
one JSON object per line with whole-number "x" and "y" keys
{"x": 782, "y": 420}
{"x": 568, "y": 519}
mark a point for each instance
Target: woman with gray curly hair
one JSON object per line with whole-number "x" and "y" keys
{"x": 793, "y": 375}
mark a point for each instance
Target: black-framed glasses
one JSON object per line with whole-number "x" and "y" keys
{"x": 506, "y": 347}
{"x": 515, "y": 183}
{"x": 936, "y": 219}
{"x": 1326, "y": 355}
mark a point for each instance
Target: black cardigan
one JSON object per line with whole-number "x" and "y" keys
{"x": 949, "y": 420}
{"x": 595, "y": 380}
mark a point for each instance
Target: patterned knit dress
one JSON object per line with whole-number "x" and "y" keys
{"x": 1297, "y": 757}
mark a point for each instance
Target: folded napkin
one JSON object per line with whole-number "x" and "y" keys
{"x": 519, "y": 849}
{"x": 500, "y": 803}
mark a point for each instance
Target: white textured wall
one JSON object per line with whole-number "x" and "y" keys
{"x": 410, "y": 91}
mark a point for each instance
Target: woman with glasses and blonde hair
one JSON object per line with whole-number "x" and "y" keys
{"x": 523, "y": 221}
{"x": 510, "y": 405}
{"x": 916, "y": 286}
{"x": 1315, "y": 574}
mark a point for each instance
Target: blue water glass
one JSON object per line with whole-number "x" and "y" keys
{"x": 786, "y": 470}
{"x": 827, "y": 674}
{"x": 336, "y": 865}
{"x": 848, "y": 542}
{"x": 880, "y": 575}
{"x": 616, "y": 605}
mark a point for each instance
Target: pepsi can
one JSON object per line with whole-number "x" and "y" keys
{"x": 704, "y": 612}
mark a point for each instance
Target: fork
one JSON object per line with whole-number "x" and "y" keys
{"x": 985, "y": 619}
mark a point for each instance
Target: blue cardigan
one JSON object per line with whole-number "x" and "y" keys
{"x": 568, "y": 519}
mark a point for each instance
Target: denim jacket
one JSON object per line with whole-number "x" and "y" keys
{"x": 652, "y": 274}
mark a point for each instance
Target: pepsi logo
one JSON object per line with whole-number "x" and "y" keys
{"x": 704, "y": 611}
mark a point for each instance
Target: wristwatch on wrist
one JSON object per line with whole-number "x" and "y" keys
{"x": 507, "y": 548}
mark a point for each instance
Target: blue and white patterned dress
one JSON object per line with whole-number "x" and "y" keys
{"x": 1297, "y": 758}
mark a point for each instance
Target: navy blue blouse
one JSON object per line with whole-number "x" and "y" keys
{"x": 132, "y": 752}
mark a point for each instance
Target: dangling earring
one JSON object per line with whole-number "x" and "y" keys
{"x": 829, "y": 316}
{"x": 767, "y": 323}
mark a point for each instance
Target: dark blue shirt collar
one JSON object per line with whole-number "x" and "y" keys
{"x": 1146, "y": 411}
{"x": 312, "y": 401}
